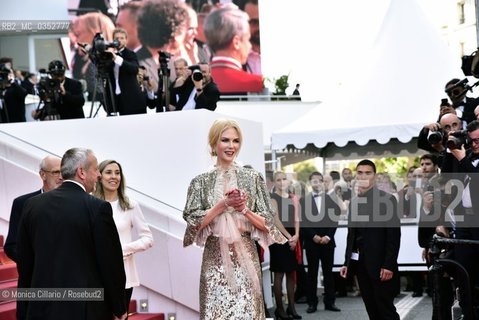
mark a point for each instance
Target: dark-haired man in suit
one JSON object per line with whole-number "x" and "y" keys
{"x": 51, "y": 176}
{"x": 373, "y": 242}
{"x": 320, "y": 216}
{"x": 68, "y": 239}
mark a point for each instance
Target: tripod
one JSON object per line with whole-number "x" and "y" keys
{"x": 164, "y": 76}
{"x": 107, "y": 100}
{"x": 103, "y": 64}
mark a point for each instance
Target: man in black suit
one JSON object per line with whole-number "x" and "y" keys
{"x": 465, "y": 163}
{"x": 65, "y": 101}
{"x": 320, "y": 216}
{"x": 373, "y": 243}
{"x": 193, "y": 88}
{"x": 68, "y": 239}
{"x": 456, "y": 90}
{"x": 126, "y": 93}
{"x": 52, "y": 179}
{"x": 12, "y": 103}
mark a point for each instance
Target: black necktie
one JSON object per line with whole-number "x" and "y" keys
{"x": 315, "y": 195}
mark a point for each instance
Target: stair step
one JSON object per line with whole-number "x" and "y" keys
{"x": 10, "y": 284}
{"x": 132, "y": 306}
{"x": 8, "y": 311}
{"x": 146, "y": 316}
{"x": 4, "y": 259}
{"x": 8, "y": 272}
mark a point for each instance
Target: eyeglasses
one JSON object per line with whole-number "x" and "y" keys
{"x": 476, "y": 140}
{"x": 53, "y": 173}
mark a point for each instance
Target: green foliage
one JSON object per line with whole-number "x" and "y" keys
{"x": 304, "y": 169}
{"x": 280, "y": 85}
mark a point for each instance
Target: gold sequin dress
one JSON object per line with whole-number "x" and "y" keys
{"x": 230, "y": 281}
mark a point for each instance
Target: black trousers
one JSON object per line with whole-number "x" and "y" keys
{"x": 325, "y": 253}
{"x": 128, "y": 293}
{"x": 378, "y": 296}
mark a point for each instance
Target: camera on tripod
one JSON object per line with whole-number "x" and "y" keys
{"x": 48, "y": 88}
{"x": 164, "y": 60}
{"x": 98, "y": 53}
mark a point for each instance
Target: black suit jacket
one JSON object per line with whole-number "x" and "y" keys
{"x": 27, "y": 85}
{"x": 380, "y": 244}
{"x": 327, "y": 226}
{"x": 68, "y": 239}
{"x": 469, "y": 106}
{"x": 70, "y": 105}
{"x": 206, "y": 100}
{"x": 131, "y": 99}
{"x": 458, "y": 170}
{"x": 15, "y": 216}
{"x": 15, "y": 101}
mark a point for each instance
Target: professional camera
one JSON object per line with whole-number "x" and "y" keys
{"x": 435, "y": 137}
{"x": 459, "y": 88}
{"x": 459, "y": 138}
{"x": 100, "y": 44}
{"x": 196, "y": 72}
{"x": 4, "y": 72}
{"x": 48, "y": 88}
{"x": 101, "y": 58}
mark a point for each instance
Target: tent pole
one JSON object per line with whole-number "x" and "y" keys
{"x": 273, "y": 160}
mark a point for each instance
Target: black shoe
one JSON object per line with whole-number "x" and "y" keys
{"x": 281, "y": 315}
{"x": 311, "y": 308}
{"x": 293, "y": 314}
{"x": 417, "y": 294}
{"x": 332, "y": 308}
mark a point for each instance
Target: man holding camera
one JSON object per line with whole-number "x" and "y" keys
{"x": 194, "y": 88}
{"x": 456, "y": 90}
{"x": 433, "y": 136}
{"x": 463, "y": 158}
{"x": 123, "y": 77}
{"x": 69, "y": 103}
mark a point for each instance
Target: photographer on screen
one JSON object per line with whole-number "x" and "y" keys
{"x": 12, "y": 96}
{"x": 123, "y": 76}
{"x": 62, "y": 97}
{"x": 194, "y": 88}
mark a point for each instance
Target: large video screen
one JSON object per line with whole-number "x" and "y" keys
{"x": 226, "y": 35}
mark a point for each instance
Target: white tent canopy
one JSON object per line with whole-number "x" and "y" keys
{"x": 391, "y": 96}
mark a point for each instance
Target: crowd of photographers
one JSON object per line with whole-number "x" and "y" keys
{"x": 450, "y": 194}
{"x": 126, "y": 63}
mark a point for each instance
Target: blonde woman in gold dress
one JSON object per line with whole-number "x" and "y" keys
{"x": 226, "y": 210}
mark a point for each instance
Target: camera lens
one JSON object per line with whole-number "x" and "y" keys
{"x": 197, "y": 75}
{"x": 434, "y": 137}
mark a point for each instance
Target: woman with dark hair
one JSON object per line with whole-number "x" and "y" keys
{"x": 127, "y": 215}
